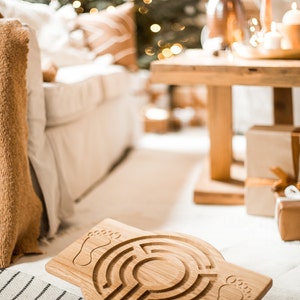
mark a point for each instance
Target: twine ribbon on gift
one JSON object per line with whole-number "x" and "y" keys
{"x": 277, "y": 185}
{"x": 284, "y": 180}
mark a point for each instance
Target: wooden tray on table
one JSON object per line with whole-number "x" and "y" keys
{"x": 116, "y": 261}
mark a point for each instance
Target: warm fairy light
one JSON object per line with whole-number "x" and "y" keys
{"x": 190, "y": 9}
{"x": 167, "y": 52}
{"x": 254, "y": 21}
{"x": 111, "y": 9}
{"x": 252, "y": 29}
{"x": 155, "y": 28}
{"x": 178, "y": 27}
{"x": 160, "y": 56}
{"x": 143, "y": 10}
{"x": 150, "y": 51}
{"x": 255, "y": 31}
{"x": 76, "y": 4}
{"x": 176, "y": 48}
{"x": 160, "y": 43}
{"x": 93, "y": 10}
{"x": 147, "y": 1}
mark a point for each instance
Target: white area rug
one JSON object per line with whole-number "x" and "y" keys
{"x": 153, "y": 190}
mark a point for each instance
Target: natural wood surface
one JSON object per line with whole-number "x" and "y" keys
{"x": 252, "y": 8}
{"x": 219, "y": 74}
{"x": 283, "y": 106}
{"x": 198, "y": 67}
{"x": 227, "y": 192}
{"x": 116, "y": 261}
{"x": 219, "y": 106}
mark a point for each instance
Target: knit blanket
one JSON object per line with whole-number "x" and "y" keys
{"x": 20, "y": 208}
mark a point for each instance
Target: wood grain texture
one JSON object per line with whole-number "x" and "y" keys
{"x": 283, "y": 106}
{"x": 116, "y": 261}
{"x": 229, "y": 192}
{"x": 198, "y": 67}
{"x": 220, "y": 127}
{"x": 219, "y": 73}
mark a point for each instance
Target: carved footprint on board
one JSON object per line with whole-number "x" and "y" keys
{"x": 100, "y": 238}
{"x": 234, "y": 289}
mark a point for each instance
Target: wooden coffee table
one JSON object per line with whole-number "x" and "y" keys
{"x": 219, "y": 74}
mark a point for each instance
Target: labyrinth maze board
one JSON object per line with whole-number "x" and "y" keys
{"x": 117, "y": 261}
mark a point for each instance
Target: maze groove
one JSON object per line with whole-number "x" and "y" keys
{"x": 116, "y": 261}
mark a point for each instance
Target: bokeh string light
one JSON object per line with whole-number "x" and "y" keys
{"x": 164, "y": 27}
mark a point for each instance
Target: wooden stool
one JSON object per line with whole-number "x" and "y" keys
{"x": 116, "y": 261}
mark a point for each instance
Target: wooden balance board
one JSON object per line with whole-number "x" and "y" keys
{"x": 117, "y": 261}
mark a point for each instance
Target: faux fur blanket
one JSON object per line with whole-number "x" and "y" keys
{"x": 20, "y": 208}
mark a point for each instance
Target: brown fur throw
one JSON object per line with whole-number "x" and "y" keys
{"x": 20, "y": 208}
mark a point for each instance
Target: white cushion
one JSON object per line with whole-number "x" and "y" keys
{"x": 35, "y": 15}
{"x": 79, "y": 89}
{"x": 116, "y": 82}
{"x": 66, "y": 102}
{"x": 80, "y": 72}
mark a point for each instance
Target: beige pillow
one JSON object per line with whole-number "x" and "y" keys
{"x": 113, "y": 32}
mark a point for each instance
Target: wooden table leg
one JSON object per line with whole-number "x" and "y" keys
{"x": 215, "y": 184}
{"x": 283, "y": 106}
{"x": 220, "y": 130}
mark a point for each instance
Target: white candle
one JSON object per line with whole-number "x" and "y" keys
{"x": 292, "y": 16}
{"x": 272, "y": 39}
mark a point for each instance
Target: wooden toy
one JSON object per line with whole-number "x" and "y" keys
{"x": 117, "y": 261}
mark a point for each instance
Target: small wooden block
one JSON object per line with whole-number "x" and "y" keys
{"x": 116, "y": 261}
{"x": 209, "y": 191}
{"x": 156, "y": 126}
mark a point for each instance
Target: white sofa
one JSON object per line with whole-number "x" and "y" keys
{"x": 80, "y": 124}
{"x": 90, "y": 121}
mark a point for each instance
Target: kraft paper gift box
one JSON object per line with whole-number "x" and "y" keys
{"x": 269, "y": 147}
{"x": 287, "y": 213}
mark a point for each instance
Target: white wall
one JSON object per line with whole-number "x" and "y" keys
{"x": 279, "y": 7}
{"x": 254, "y": 106}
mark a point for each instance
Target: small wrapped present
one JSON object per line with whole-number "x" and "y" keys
{"x": 287, "y": 213}
{"x": 272, "y": 163}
